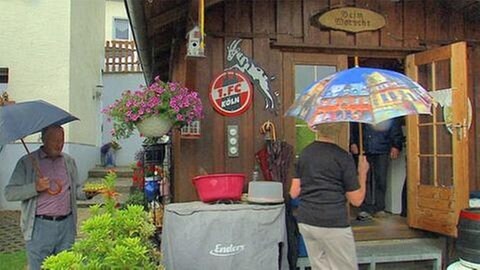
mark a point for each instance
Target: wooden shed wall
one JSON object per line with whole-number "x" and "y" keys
{"x": 269, "y": 29}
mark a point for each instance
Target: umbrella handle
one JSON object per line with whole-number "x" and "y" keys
{"x": 274, "y": 133}
{"x": 269, "y": 127}
{"x": 34, "y": 161}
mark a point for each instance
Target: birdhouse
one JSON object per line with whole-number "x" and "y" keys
{"x": 194, "y": 46}
{"x": 191, "y": 131}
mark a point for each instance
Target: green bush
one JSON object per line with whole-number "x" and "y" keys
{"x": 136, "y": 197}
{"x": 113, "y": 239}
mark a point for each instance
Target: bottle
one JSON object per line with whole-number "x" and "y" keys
{"x": 255, "y": 174}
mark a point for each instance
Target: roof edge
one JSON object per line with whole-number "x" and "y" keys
{"x": 136, "y": 17}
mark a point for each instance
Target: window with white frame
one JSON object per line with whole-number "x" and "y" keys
{"x": 3, "y": 79}
{"x": 305, "y": 75}
{"x": 121, "y": 29}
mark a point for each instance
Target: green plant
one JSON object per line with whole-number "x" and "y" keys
{"x": 113, "y": 238}
{"x": 168, "y": 99}
{"x": 14, "y": 260}
{"x": 136, "y": 197}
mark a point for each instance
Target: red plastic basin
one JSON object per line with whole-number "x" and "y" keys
{"x": 217, "y": 187}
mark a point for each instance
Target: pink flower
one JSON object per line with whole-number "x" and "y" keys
{"x": 171, "y": 99}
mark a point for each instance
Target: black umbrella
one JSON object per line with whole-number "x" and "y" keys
{"x": 18, "y": 120}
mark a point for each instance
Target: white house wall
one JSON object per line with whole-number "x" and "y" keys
{"x": 115, "y": 9}
{"x": 86, "y": 63}
{"x": 35, "y": 48}
{"x": 54, "y": 51}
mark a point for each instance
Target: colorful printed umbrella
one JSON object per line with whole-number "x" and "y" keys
{"x": 365, "y": 95}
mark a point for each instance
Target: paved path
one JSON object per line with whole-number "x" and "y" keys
{"x": 11, "y": 238}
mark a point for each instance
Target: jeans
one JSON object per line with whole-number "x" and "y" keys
{"x": 49, "y": 238}
{"x": 376, "y": 183}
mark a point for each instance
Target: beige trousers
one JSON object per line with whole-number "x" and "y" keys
{"x": 329, "y": 248}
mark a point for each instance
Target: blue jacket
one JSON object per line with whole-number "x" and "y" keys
{"x": 379, "y": 139}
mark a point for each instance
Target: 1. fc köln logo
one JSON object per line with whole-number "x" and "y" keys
{"x": 231, "y": 93}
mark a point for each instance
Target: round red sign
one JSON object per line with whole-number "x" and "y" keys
{"x": 231, "y": 93}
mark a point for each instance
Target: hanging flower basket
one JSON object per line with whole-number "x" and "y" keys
{"x": 154, "y": 126}
{"x": 154, "y": 109}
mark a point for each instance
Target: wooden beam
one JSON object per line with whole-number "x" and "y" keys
{"x": 156, "y": 23}
{"x": 209, "y": 3}
{"x": 242, "y": 35}
{"x": 348, "y": 50}
{"x": 162, "y": 48}
{"x": 170, "y": 16}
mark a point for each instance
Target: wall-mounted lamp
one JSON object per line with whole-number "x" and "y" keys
{"x": 97, "y": 91}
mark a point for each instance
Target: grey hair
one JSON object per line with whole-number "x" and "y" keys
{"x": 329, "y": 130}
{"x": 46, "y": 129}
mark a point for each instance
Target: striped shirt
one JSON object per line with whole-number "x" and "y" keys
{"x": 56, "y": 171}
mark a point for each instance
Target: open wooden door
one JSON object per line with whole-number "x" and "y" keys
{"x": 437, "y": 144}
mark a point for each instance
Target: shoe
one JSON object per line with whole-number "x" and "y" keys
{"x": 380, "y": 214}
{"x": 362, "y": 216}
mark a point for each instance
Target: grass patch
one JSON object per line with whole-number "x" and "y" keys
{"x": 14, "y": 260}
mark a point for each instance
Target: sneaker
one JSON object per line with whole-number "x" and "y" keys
{"x": 380, "y": 214}
{"x": 364, "y": 216}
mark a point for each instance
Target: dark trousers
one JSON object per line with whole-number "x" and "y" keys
{"x": 376, "y": 183}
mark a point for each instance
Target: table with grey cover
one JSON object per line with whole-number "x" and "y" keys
{"x": 224, "y": 236}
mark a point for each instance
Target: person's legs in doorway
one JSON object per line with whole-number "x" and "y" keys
{"x": 368, "y": 206}
{"x": 380, "y": 172}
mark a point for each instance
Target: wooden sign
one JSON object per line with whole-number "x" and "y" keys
{"x": 231, "y": 93}
{"x": 351, "y": 19}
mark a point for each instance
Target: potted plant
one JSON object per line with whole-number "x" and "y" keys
{"x": 154, "y": 109}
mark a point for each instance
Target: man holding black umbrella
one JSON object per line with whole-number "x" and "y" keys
{"x": 47, "y": 183}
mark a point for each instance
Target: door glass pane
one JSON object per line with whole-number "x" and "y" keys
{"x": 426, "y": 170}
{"x": 304, "y": 76}
{"x": 444, "y": 147}
{"x": 426, "y": 131}
{"x": 435, "y": 140}
{"x": 445, "y": 172}
{"x": 438, "y": 114}
{"x": 425, "y": 80}
{"x": 444, "y": 141}
{"x": 426, "y": 146}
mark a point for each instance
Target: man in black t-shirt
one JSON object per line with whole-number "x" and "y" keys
{"x": 326, "y": 177}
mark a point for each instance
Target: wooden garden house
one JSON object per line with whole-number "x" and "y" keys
{"x": 434, "y": 42}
